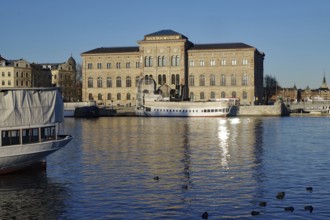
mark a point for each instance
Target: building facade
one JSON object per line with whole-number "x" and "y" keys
{"x": 202, "y": 71}
{"x": 63, "y": 75}
{"x": 20, "y": 73}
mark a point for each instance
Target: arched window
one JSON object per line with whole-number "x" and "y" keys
{"x": 164, "y": 79}
{"x": 191, "y": 96}
{"x": 244, "y": 95}
{"x": 148, "y": 61}
{"x": 160, "y": 61}
{"x": 245, "y": 79}
{"x": 99, "y": 96}
{"x": 223, "y": 80}
{"x": 191, "y": 80}
{"x": 109, "y": 96}
{"x": 128, "y": 81}
{"x": 137, "y": 80}
{"x": 233, "y": 79}
{"x": 173, "y": 79}
{"x": 90, "y": 97}
{"x": 118, "y": 81}
{"x": 212, "y": 80}
{"x": 99, "y": 82}
{"x": 118, "y": 96}
{"x": 212, "y": 95}
{"x": 160, "y": 79}
{"x": 223, "y": 95}
{"x": 233, "y": 94}
{"x": 164, "y": 60}
{"x": 175, "y": 61}
{"x": 201, "y": 96}
{"x": 202, "y": 80}
{"x": 128, "y": 96}
{"x": 90, "y": 82}
{"x": 109, "y": 82}
{"x": 177, "y": 79}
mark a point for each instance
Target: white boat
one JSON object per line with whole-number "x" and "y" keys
{"x": 156, "y": 105}
{"x": 29, "y": 126}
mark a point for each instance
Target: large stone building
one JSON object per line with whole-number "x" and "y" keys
{"x": 110, "y": 75}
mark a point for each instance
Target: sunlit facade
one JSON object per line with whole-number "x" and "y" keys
{"x": 204, "y": 71}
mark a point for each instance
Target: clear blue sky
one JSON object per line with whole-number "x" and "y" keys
{"x": 294, "y": 34}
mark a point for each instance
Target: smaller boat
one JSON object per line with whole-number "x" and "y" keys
{"x": 81, "y": 109}
{"x": 29, "y": 126}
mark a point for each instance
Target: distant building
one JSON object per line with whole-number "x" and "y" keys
{"x": 204, "y": 71}
{"x": 20, "y": 73}
{"x": 64, "y": 76}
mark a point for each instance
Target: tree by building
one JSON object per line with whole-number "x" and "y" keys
{"x": 270, "y": 87}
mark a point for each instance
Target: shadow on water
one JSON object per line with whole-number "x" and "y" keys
{"x": 29, "y": 194}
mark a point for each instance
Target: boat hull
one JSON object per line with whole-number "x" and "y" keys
{"x": 16, "y": 157}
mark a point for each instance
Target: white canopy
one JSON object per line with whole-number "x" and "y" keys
{"x": 30, "y": 106}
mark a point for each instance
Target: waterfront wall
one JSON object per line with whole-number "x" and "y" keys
{"x": 278, "y": 109}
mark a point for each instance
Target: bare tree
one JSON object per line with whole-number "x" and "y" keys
{"x": 270, "y": 87}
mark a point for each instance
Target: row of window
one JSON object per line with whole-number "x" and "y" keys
{"x": 175, "y": 80}
{"x": 201, "y": 96}
{"x": 27, "y": 136}
{"x": 21, "y": 74}
{"x": 162, "y": 61}
{"x": 18, "y": 83}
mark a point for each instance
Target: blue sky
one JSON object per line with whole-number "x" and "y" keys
{"x": 294, "y": 34}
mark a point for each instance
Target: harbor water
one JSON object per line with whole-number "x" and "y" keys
{"x": 179, "y": 168}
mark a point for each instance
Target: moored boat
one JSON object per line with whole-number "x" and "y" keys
{"x": 154, "y": 104}
{"x": 29, "y": 126}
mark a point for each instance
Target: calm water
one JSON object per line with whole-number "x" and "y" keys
{"x": 222, "y": 166}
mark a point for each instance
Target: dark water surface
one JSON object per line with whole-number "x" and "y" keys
{"x": 225, "y": 166}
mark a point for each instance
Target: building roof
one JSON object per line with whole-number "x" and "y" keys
{"x": 1, "y": 58}
{"x": 220, "y": 46}
{"x": 166, "y": 32}
{"x": 112, "y": 50}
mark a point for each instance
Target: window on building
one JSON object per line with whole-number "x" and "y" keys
{"x": 212, "y": 62}
{"x": 109, "y": 96}
{"x": 90, "y": 97}
{"x": 118, "y": 81}
{"x": 223, "y": 80}
{"x": 245, "y": 79}
{"x": 99, "y": 65}
{"x": 118, "y": 96}
{"x": 9, "y": 83}
{"x": 148, "y": 61}
{"x": 223, "y": 95}
{"x": 89, "y": 66}
{"x": 201, "y": 63}
{"x": 244, "y": 95}
{"x": 191, "y": 80}
{"x": 99, "y": 97}
{"x": 191, "y": 96}
{"x": 223, "y": 62}
{"x": 90, "y": 82}
{"x": 128, "y": 81}
{"x": 118, "y": 65}
{"x": 202, "y": 80}
{"x": 233, "y": 94}
{"x": 137, "y": 79}
{"x": 233, "y": 79}
{"x": 99, "y": 82}
{"x": 3, "y": 74}
{"x": 109, "y": 82}
{"x": 137, "y": 64}
{"x": 175, "y": 60}
{"x": 233, "y": 62}
{"x": 201, "y": 96}
{"x": 3, "y": 82}
{"x": 212, "y": 95}
{"x": 212, "y": 80}
{"x": 128, "y": 96}
{"x": 191, "y": 63}
{"x": 108, "y": 65}
{"x": 128, "y": 65}
{"x": 9, "y": 74}
{"x": 245, "y": 62}
{"x": 175, "y": 79}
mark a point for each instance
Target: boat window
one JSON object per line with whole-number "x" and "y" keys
{"x": 48, "y": 133}
{"x": 30, "y": 135}
{"x": 10, "y": 137}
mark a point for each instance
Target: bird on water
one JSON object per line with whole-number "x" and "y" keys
{"x": 205, "y": 215}
{"x": 280, "y": 195}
